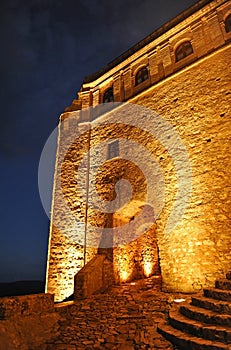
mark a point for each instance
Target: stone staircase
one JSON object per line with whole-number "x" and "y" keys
{"x": 204, "y": 322}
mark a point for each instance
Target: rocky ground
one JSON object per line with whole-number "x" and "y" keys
{"x": 123, "y": 318}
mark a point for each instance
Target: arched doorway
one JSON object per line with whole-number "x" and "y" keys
{"x": 130, "y": 241}
{"x": 136, "y": 255}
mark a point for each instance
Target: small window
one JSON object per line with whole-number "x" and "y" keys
{"x": 141, "y": 75}
{"x": 184, "y": 50}
{"x": 108, "y": 96}
{"x": 113, "y": 149}
{"x": 228, "y": 24}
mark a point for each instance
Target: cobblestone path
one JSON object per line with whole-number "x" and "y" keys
{"x": 123, "y": 318}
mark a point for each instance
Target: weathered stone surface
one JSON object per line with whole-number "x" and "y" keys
{"x": 193, "y": 96}
{"x": 199, "y": 329}
{"x": 204, "y": 326}
{"x": 96, "y": 276}
{"x": 28, "y": 322}
{"x": 212, "y": 304}
{"x": 26, "y": 305}
{"x": 183, "y": 341}
{"x": 205, "y": 316}
{"x": 218, "y": 294}
{"x": 223, "y": 284}
{"x": 124, "y": 317}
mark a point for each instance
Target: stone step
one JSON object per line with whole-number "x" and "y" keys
{"x": 217, "y": 294}
{"x": 219, "y": 306}
{"x": 223, "y": 284}
{"x": 199, "y": 329}
{"x": 228, "y": 275}
{"x": 188, "y": 342}
{"x": 205, "y": 316}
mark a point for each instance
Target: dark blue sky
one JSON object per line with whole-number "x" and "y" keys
{"x": 47, "y": 48}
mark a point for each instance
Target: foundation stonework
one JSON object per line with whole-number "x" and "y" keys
{"x": 28, "y": 322}
{"x": 192, "y": 94}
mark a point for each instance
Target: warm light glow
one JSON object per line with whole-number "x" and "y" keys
{"x": 148, "y": 266}
{"x": 179, "y": 300}
{"x": 124, "y": 264}
{"x": 133, "y": 284}
{"x": 124, "y": 275}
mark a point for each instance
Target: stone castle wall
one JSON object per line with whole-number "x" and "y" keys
{"x": 28, "y": 322}
{"x": 193, "y": 97}
{"x": 203, "y": 26}
{"x": 197, "y": 102}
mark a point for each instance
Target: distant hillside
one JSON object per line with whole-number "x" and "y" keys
{"x": 21, "y": 288}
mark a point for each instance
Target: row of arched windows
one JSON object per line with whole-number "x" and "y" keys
{"x": 142, "y": 74}
{"x": 183, "y": 50}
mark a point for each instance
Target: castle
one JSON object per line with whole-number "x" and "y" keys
{"x": 158, "y": 118}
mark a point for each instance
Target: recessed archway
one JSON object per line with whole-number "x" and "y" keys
{"x": 138, "y": 257}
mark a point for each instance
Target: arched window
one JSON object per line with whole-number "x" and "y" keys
{"x": 228, "y": 24}
{"x": 183, "y": 50}
{"x": 141, "y": 75}
{"x": 108, "y": 95}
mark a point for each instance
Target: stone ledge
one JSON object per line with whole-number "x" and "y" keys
{"x": 189, "y": 342}
{"x": 11, "y": 307}
{"x": 95, "y": 276}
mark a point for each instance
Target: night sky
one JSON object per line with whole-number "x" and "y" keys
{"x": 47, "y": 48}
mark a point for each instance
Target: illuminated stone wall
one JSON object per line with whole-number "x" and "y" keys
{"x": 197, "y": 102}
{"x": 66, "y": 246}
{"x": 193, "y": 95}
{"x": 135, "y": 251}
{"x": 76, "y": 234}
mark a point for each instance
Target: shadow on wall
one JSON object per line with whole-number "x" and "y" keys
{"x": 135, "y": 259}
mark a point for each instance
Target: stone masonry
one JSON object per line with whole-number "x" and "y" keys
{"x": 123, "y": 318}
{"x": 193, "y": 96}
